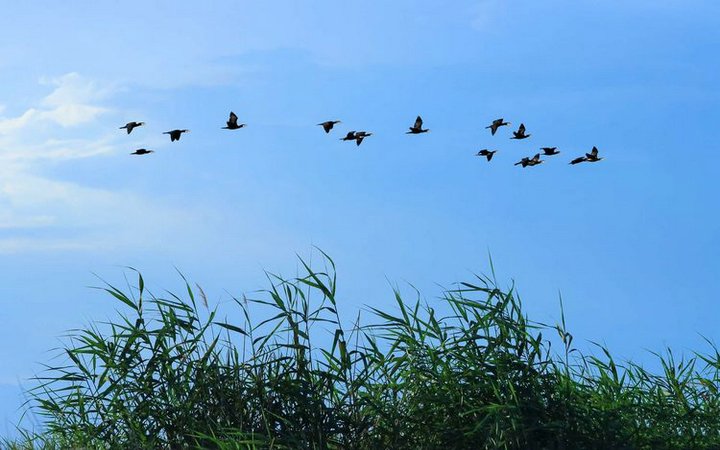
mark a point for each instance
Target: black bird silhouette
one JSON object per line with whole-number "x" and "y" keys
{"x": 549, "y": 151}
{"x": 534, "y": 161}
{"x": 232, "y": 122}
{"x": 142, "y": 151}
{"x": 328, "y": 125}
{"x": 523, "y": 162}
{"x": 497, "y": 123}
{"x": 520, "y": 133}
{"x": 487, "y": 153}
{"x": 360, "y": 135}
{"x": 350, "y": 136}
{"x": 578, "y": 160}
{"x": 593, "y": 155}
{"x": 175, "y": 134}
{"x": 131, "y": 125}
{"x": 417, "y": 128}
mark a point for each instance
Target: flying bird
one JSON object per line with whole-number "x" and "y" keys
{"x": 593, "y": 155}
{"x": 350, "y": 136}
{"x": 417, "y": 128}
{"x": 232, "y": 122}
{"x": 175, "y": 134}
{"x": 523, "y": 162}
{"x": 142, "y": 151}
{"x": 328, "y": 125}
{"x": 497, "y": 123}
{"x": 132, "y": 125}
{"x": 534, "y": 161}
{"x": 487, "y": 153}
{"x": 360, "y": 135}
{"x": 549, "y": 151}
{"x": 520, "y": 133}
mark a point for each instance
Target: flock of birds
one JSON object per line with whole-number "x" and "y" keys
{"x": 416, "y": 128}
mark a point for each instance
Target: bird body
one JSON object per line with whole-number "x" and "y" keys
{"x": 549, "y": 151}
{"x": 520, "y": 133}
{"x": 497, "y": 123}
{"x": 131, "y": 126}
{"x": 328, "y": 125}
{"x": 142, "y": 151}
{"x": 534, "y": 161}
{"x": 360, "y": 135}
{"x": 593, "y": 155}
{"x": 175, "y": 134}
{"x": 232, "y": 123}
{"x": 487, "y": 153}
{"x": 589, "y": 157}
{"x": 417, "y": 127}
{"x": 523, "y": 162}
{"x": 350, "y": 136}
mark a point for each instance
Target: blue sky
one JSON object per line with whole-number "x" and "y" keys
{"x": 631, "y": 242}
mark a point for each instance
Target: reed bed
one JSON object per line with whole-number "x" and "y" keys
{"x": 470, "y": 371}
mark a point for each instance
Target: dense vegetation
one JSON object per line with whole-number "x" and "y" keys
{"x": 471, "y": 373}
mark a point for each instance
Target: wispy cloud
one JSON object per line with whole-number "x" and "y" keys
{"x": 40, "y": 213}
{"x": 69, "y": 104}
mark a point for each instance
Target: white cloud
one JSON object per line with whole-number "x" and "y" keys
{"x": 72, "y": 88}
{"x": 40, "y": 213}
{"x": 73, "y": 114}
{"x": 69, "y": 104}
{"x": 13, "y": 124}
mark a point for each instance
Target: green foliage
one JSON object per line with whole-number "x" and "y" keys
{"x": 471, "y": 373}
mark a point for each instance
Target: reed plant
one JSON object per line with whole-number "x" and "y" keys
{"x": 469, "y": 371}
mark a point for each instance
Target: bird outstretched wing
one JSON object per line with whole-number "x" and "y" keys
{"x": 418, "y": 123}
